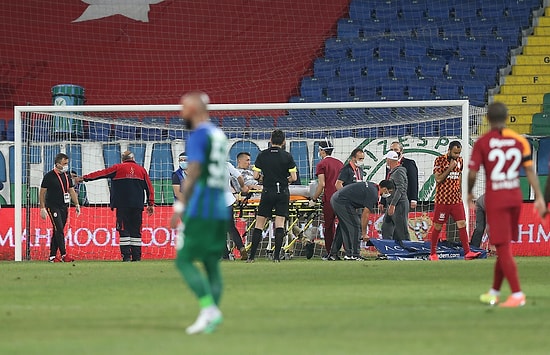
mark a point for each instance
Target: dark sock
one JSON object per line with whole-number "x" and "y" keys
{"x": 279, "y": 235}
{"x": 256, "y": 239}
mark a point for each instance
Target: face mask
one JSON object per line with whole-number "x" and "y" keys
{"x": 183, "y": 165}
{"x": 319, "y": 155}
{"x": 386, "y": 195}
{"x": 360, "y": 164}
{"x": 64, "y": 168}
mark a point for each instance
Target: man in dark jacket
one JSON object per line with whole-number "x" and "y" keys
{"x": 130, "y": 185}
{"x": 395, "y": 224}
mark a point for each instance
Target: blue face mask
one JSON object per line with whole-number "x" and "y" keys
{"x": 183, "y": 165}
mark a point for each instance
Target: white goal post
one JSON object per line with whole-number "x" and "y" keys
{"x": 461, "y": 115}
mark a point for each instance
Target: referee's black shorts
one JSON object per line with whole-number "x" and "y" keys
{"x": 271, "y": 200}
{"x": 128, "y": 221}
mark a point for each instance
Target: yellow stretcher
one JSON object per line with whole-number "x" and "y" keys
{"x": 302, "y": 224}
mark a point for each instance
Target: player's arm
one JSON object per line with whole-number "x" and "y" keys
{"x": 320, "y": 187}
{"x": 365, "y": 223}
{"x": 42, "y": 201}
{"x": 193, "y": 174}
{"x": 293, "y": 176}
{"x": 412, "y": 178}
{"x": 101, "y": 174}
{"x": 74, "y": 198}
{"x": 150, "y": 193}
{"x": 440, "y": 174}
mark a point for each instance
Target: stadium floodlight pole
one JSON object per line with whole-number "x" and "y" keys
{"x": 19, "y": 111}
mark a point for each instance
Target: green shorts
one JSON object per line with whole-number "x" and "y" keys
{"x": 203, "y": 239}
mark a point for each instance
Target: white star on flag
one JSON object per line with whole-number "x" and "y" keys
{"x": 135, "y": 9}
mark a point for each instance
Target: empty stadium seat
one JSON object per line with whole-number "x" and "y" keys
{"x": 325, "y": 68}
{"x": 153, "y": 134}
{"x": 336, "y": 48}
{"x": 348, "y": 29}
{"x": 99, "y": 131}
{"x": 352, "y": 68}
{"x": 312, "y": 88}
{"x": 177, "y": 132}
{"x": 362, "y": 48}
{"x": 2, "y": 129}
{"x": 234, "y": 122}
{"x": 125, "y": 132}
{"x": 10, "y": 130}
{"x": 262, "y": 122}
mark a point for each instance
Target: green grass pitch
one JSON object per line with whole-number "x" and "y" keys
{"x": 295, "y": 307}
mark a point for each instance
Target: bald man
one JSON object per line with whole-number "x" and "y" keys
{"x": 203, "y": 211}
{"x": 130, "y": 186}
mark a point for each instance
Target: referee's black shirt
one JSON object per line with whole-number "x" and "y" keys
{"x": 276, "y": 165}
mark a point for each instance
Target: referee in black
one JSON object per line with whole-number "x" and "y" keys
{"x": 278, "y": 169}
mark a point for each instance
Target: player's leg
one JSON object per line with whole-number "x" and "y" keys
{"x": 388, "y": 226}
{"x": 440, "y": 217}
{"x": 58, "y": 237}
{"x": 264, "y": 211}
{"x": 124, "y": 236}
{"x": 400, "y": 219}
{"x": 133, "y": 225}
{"x": 347, "y": 222}
{"x": 459, "y": 216}
{"x": 329, "y": 218}
{"x": 507, "y": 262}
{"x": 479, "y": 228}
{"x": 281, "y": 212}
{"x": 198, "y": 246}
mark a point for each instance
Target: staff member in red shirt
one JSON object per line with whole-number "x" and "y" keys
{"x": 327, "y": 171}
{"x": 130, "y": 187}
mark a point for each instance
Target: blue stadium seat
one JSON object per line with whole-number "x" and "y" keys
{"x": 362, "y": 48}
{"x": 340, "y": 90}
{"x": 447, "y": 91}
{"x": 388, "y": 50}
{"x": 470, "y": 48}
{"x": 262, "y": 122}
{"x": 351, "y": 68}
{"x": 439, "y": 13}
{"x": 376, "y": 69}
{"x": 10, "y": 130}
{"x": 412, "y": 12}
{"x": 336, "y": 48}
{"x": 234, "y": 122}
{"x": 485, "y": 70}
{"x": 2, "y": 129}
{"x": 465, "y": 10}
{"x": 459, "y": 68}
{"x": 348, "y": 29}
{"x": 391, "y": 92}
{"x": 365, "y": 91}
{"x": 403, "y": 70}
{"x": 412, "y": 49}
{"x": 125, "y": 131}
{"x": 354, "y": 115}
{"x": 325, "y": 68}
{"x": 475, "y": 93}
{"x": 99, "y": 131}
{"x": 453, "y": 30}
{"x": 41, "y": 130}
{"x": 432, "y": 68}
{"x": 153, "y": 134}
{"x": 384, "y": 12}
{"x": 312, "y": 88}
{"x": 177, "y": 122}
{"x": 419, "y": 91}
{"x": 359, "y": 10}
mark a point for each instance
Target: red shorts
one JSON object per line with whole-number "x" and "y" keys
{"x": 504, "y": 224}
{"x": 442, "y": 212}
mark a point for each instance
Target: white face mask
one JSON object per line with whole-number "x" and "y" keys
{"x": 386, "y": 195}
{"x": 183, "y": 165}
{"x": 64, "y": 168}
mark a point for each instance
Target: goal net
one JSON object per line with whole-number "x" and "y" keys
{"x": 94, "y": 136}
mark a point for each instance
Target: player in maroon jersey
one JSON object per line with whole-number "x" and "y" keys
{"x": 448, "y": 199}
{"x": 502, "y": 152}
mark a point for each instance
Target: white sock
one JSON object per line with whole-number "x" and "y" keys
{"x": 494, "y": 292}
{"x": 518, "y": 294}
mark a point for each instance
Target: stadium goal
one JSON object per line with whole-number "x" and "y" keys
{"x": 95, "y": 136}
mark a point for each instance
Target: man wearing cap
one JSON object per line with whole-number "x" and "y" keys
{"x": 327, "y": 171}
{"x": 130, "y": 187}
{"x": 395, "y": 224}
{"x": 179, "y": 175}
